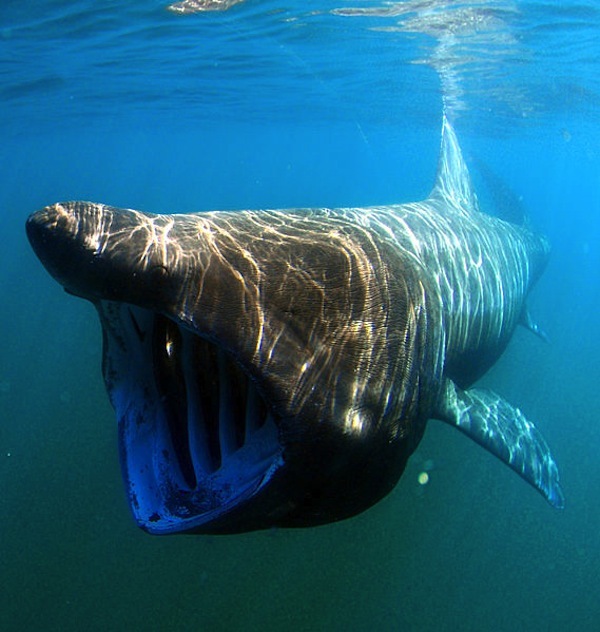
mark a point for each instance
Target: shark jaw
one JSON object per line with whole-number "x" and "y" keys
{"x": 197, "y": 439}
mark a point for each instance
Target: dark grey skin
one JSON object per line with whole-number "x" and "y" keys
{"x": 278, "y": 368}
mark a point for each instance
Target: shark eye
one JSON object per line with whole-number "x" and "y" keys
{"x": 158, "y": 278}
{"x": 158, "y": 272}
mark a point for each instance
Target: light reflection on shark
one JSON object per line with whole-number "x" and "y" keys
{"x": 278, "y": 368}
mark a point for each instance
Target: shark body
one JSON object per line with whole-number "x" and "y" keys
{"x": 278, "y": 367}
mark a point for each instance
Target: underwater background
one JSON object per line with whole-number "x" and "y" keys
{"x": 292, "y": 104}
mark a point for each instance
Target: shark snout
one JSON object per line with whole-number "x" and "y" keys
{"x": 50, "y": 222}
{"x": 99, "y": 252}
{"x": 53, "y": 233}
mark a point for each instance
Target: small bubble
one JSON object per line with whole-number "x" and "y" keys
{"x": 423, "y": 478}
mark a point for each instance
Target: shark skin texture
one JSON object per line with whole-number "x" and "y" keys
{"x": 278, "y": 367}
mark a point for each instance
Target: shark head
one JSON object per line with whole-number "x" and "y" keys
{"x": 270, "y": 368}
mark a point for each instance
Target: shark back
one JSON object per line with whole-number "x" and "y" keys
{"x": 482, "y": 268}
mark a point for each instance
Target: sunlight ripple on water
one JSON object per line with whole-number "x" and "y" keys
{"x": 261, "y": 61}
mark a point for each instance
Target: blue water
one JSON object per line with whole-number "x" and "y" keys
{"x": 276, "y": 104}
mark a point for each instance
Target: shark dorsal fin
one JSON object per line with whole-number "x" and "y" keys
{"x": 453, "y": 183}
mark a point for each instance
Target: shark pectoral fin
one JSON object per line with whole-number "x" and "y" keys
{"x": 527, "y": 321}
{"x": 503, "y": 430}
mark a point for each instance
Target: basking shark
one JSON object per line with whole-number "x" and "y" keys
{"x": 278, "y": 367}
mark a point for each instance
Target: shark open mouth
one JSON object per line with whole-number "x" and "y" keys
{"x": 196, "y": 437}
